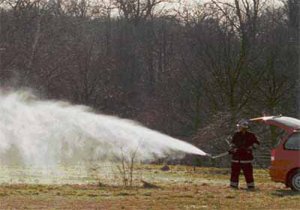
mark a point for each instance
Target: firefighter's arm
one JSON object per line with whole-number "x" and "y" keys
{"x": 233, "y": 147}
{"x": 232, "y": 150}
{"x": 253, "y": 146}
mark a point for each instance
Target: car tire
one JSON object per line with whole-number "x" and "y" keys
{"x": 295, "y": 181}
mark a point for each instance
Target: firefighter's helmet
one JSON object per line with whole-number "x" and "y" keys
{"x": 243, "y": 123}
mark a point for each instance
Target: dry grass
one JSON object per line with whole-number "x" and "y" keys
{"x": 180, "y": 188}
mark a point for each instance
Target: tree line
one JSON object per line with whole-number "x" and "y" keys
{"x": 175, "y": 68}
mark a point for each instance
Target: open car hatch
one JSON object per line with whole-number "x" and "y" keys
{"x": 289, "y": 124}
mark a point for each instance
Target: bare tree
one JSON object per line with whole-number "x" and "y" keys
{"x": 137, "y": 10}
{"x": 126, "y": 167}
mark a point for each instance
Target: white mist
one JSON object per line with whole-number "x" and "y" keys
{"x": 40, "y": 133}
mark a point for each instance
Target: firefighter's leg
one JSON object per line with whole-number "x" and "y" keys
{"x": 248, "y": 173}
{"x": 235, "y": 173}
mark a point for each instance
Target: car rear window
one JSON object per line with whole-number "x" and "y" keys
{"x": 293, "y": 143}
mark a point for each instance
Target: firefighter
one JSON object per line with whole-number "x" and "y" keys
{"x": 242, "y": 144}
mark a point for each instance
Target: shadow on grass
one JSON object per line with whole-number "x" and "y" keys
{"x": 287, "y": 192}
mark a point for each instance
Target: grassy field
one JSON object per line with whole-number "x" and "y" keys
{"x": 179, "y": 188}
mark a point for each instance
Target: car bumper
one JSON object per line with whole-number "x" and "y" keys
{"x": 277, "y": 174}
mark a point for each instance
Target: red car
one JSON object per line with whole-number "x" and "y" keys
{"x": 285, "y": 158}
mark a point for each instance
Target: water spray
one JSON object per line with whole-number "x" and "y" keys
{"x": 46, "y": 133}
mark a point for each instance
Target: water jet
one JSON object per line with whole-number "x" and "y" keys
{"x": 43, "y": 134}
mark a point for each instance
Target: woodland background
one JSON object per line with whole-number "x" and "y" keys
{"x": 188, "y": 70}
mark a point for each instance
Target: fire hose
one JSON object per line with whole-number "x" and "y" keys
{"x": 227, "y": 153}
{"x": 223, "y": 153}
{"x": 219, "y": 155}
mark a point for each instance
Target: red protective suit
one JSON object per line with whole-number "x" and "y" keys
{"x": 242, "y": 144}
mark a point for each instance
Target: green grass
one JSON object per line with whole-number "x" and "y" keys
{"x": 179, "y": 188}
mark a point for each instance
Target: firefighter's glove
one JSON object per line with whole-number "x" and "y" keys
{"x": 232, "y": 151}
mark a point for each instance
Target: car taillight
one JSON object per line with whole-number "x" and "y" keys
{"x": 273, "y": 155}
